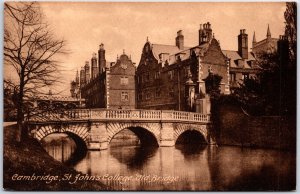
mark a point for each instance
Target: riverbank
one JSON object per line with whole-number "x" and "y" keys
{"x": 28, "y": 167}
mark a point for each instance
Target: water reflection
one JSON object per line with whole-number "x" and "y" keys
{"x": 59, "y": 146}
{"x": 64, "y": 148}
{"x": 135, "y": 157}
{"x": 192, "y": 167}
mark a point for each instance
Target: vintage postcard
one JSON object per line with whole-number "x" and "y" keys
{"x": 149, "y": 96}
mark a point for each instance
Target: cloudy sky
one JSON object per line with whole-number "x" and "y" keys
{"x": 126, "y": 25}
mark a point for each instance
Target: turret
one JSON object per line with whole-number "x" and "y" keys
{"x": 82, "y": 77}
{"x": 268, "y": 32}
{"x": 254, "y": 40}
{"x": 101, "y": 56}
{"x": 205, "y": 33}
{"x": 243, "y": 44}
{"x": 77, "y": 78}
{"x": 180, "y": 40}
{"x": 95, "y": 70}
{"x": 87, "y": 72}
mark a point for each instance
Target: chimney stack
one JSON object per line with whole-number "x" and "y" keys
{"x": 205, "y": 33}
{"x": 101, "y": 58}
{"x": 243, "y": 44}
{"x": 95, "y": 70}
{"x": 180, "y": 40}
{"x": 87, "y": 72}
{"x": 82, "y": 77}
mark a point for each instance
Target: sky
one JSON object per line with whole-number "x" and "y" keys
{"x": 126, "y": 26}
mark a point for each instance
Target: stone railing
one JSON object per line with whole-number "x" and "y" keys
{"x": 107, "y": 114}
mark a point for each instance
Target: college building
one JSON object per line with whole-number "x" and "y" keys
{"x": 169, "y": 77}
{"x": 108, "y": 84}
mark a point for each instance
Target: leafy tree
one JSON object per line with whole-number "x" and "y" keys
{"x": 290, "y": 16}
{"x": 260, "y": 95}
{"x": 29, "y": 48}
{"x": 212, "y": 84}
{"x": 273, "y": 91}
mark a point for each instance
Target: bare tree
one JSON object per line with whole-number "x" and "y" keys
{"x": 30, "y": 48}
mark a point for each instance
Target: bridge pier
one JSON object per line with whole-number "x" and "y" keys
{"x": 98, "y": 137}
{"x": 167, "y": 135}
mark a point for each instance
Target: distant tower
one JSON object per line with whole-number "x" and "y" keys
{"x": 101, "y": 56}
{"x": 82, "y": 77}
{"x": 268, "y": 32}
{"x": 254, "y": 40}
{"x": 180, "y": 40}
{"x": 243, "y": 44}
{"x": 75, "y": 86}
{"x": 87, "y": 72}
{"x": 205, "y": 33}
{"x": 95, "y": 70}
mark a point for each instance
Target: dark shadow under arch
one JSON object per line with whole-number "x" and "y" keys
{"x": 147, "y": 139}
{"x": 191, "y": 142}
{"x": 191, "y": 137}
{"x": 80, "y": 151}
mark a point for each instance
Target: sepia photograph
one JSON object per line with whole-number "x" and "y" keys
{"x": 149, "y": 96}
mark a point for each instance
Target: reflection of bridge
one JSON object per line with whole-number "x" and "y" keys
{"x": 96, "y": 127}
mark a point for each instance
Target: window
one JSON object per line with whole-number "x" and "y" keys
{"x": 171, "y": 92}
{"x": 171, "y": 74}
{"x": 157, "y": 75}
{"x": 186, "y": 71}
{"x": 147, "y": 77}
{"x": 124, "y": 96}
{"x": 157, "y": 93}
{"x": 245, "y": 76}
{"x": 148, "y": 95}
{"x": 140, "y": 97}
{"x": 124, "y": 80}
{"x": 232, "y": 77}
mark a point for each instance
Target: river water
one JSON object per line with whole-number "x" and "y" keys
{"x": 128, "y": 166}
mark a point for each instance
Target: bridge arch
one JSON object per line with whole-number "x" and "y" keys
{"x": 182, "y": 128}
{"x": 148, "y": 133}
{"x": 78, "y": 132}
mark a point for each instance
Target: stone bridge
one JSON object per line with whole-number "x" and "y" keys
{"x": 95, "y": 128}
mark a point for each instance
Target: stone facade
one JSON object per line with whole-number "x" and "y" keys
{"x": 112, "y": 85}
{"x": 242, "y": 63}
{"x": 171, "y": 77}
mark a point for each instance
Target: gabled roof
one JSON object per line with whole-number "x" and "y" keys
{"x": 167, "y": 49}
{"x": 173, "y": 51}
{"x": 234, "y": 57}
{"x": 264, "y": 41}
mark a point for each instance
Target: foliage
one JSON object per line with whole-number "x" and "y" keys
{"x": 212, "y": 84}
{"x": 290, "y": 16}
{"x": 273, "y": 91}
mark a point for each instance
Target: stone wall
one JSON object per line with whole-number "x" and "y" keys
{"x": 234, "y": 127}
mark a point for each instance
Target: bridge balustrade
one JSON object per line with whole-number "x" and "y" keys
{"x": 105, "y": 114}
